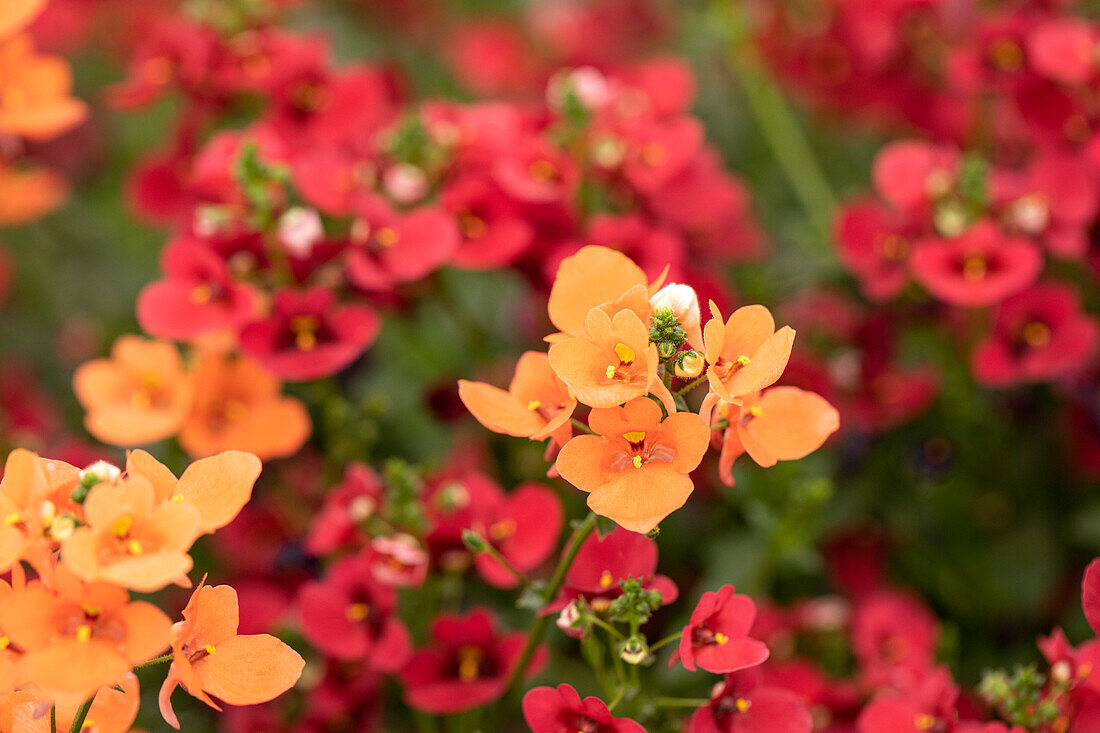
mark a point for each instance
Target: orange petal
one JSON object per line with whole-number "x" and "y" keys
{"x": 641, "y": 413}
{"x": 24, "y": 614}
{"x": 147, "y": 631}
{"x": 29, "y": 194}
{"x": 639, "y": 499}
{"x": 498, "y": 410}
{"x": 220, "y": 486}
{"x": 24, "y": 480}
{"x": 746, "y": 330}
{"x": 793, "y": 422}
{"x": 212, "y": 615}
{"x": 731, "y": 450}
{"x": 248, "y": 670}
{"x": 112, "y": 711}
{"x": 767, "y": 365}
{"x": 159, "y": 475}
{"x": 692, "y": 438}
{"x": 97, "y": 382}
{"x": 126, "y": 425}
{"x": 591, "y": 277}
{"x": 71, "y": 671}
{"x": 147, "y": 573}
{"x": 583, "y": 462}
{"x": 15, "y": 15}
{"x": 276, "y": 428}
{"x": 582, "y": 365}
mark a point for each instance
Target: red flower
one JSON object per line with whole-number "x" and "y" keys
{"x": 537, "y": 172}
{"x": 875, "y": 247}
{"x": 1037, "y": 335}
{"x": 894, "y": 638}
{"x": 399, "y": 561}
{"x": 523, "y": 526}
{"x": 308, "y": 336}
{"x": 466, "y": 667}
{"x": 562, "y": 711}
{"x": 196, "y": 297}
{"x": 657, "y": 151}
{"x": 397, "y": 249}
{"x": 716, "y": 638}
{"x": 349, "y": 615}
{"x": 1063, "y": 50}
{"x": 602, "y": 564}
{"x": 1090, "y": 594}
{"x": 346, "y": 507}
{"x": 740, "y": 705}
{"x": 494, "y": 233}
{"x": 910, "y": 174}
{"x": 927, "y": 705}
{"x": 978, "y": 268}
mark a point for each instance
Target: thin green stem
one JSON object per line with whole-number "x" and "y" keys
{"x": 538, "y": 629}
{"x": 617, "y": 699}
{"x": 681, "y": 702}
{"x": 692, "y": 384}
{"x": 667, "y": 640}
{"x": 606, "y": 627}
{"x": 777, "y": 122}
{"x": 81, "y": 715}
{"x": 53, "y": 719}
{"x": 156, "y": 660}
{"x": 581, "y": 426}
{"x": 720, "y": 425}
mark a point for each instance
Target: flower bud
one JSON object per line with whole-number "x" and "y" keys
{"x": 634, "y": 650}
{"x": 299, "y": 230}
{"x": 99, "y": 472}
{"x": 681, "y": 300}
{"x": 689, "y": 365}
{"x": 62, "y": 528}
{"x": 569, "y": 620}
{"x": 405, "y": 183}
{"x": 474, "y": 542}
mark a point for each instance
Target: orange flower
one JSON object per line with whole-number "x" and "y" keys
{"x": 77, "y": 637}
{"x": 238, "y": 405}
{"x": 537, "y": 403}
{"x": 35, "y": 90}
{"x": 30, "y": 494}
{"x": 26, "y": 195}
{"x": 778, "y": 424}
{"x": 218, "y": 486}
{"x": 140, "y": 395}
{"x": 15, "y": 15}
{"x": 596, "y": 277}
{"x": 614, "y": 364}
{"x": 636, "y": 467}
{"x": 210, "y": 659}
{"x": 746, "y": 353}
{"x": 130, "y": 539}
{"x": 112, "y": 711}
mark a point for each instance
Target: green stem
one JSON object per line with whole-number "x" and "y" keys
{"x": 81, "y": 715}
{"x": 667, "y": 640}
{"x": 538, "y": 629}
{"x": 581, "y": 426}
{"x": 606, "y": 627}
{"x": 720, "y": 425}
{"x": 681, "y": 702}
{"x": 156, "y": 660}
{"x": 617, "y": 699}
{"x": 777, "y": 122}
{"x": 692, "y": 384}
{"x": 53, "y": 719}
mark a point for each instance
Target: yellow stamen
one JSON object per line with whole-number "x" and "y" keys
{"x": 305, "y": 332}
{"x": 177, "y": 497}
{"x": 91, "y": 611}
{"x": 755, "y": 411}
{"x": 534, "y": 405}
{"x": 924, "y": 721}
{"x": 121, "y": 526}
{"x": 1084, "y": 670}
{"x": 610, "y": 371}
{"x": 653, "y": 154}
{"x": 13, "y": 519}
{"x": 201, "y": 294}
{"x": 625, "y": 353}
{"x": 473, "y": 227}
{"x": 542, "y": 171}
{"x": 235, "y": 410}
{"x": 637, "y": 461}
{"x": 721, "y": 638}
{"x": 84, "y": 633}
{"x": 469, "y": 661}
{"x": 744, "y": 360}
{"x": 5, "y": 642}
{"x": 210, "y": 648}
{"x": 605, "y": 579}
{"x": 357, "y": 611}
{"x": 157, "y": 70}
{"x": 1036, "y": 335}
{"x": 503, "y": 529}
{"x": 386, "y": 237}
{"x": 743, "y": 704}
{"x": 134, "y": 547}
{"x": 1006, "y": 54}
{"x": 635, "y": 436}
{"x": 974, "y": 268}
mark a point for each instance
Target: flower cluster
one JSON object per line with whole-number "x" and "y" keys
{"x": 72, "y": 635}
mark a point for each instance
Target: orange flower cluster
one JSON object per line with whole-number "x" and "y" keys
{"x": 91, "y": 536}
{"x": 144, "y": 392}
{"x": 613, "y": 354}
{"x": 36, "y": 105}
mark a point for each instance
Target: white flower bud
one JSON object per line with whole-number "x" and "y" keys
{"x": 299, "y": 230}
{"x": 405, "y": 183}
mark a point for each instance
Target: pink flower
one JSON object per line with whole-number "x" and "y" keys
{"x": 716, "y": 638}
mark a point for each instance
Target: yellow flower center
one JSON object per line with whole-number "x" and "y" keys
{"x": 134, "y": 548}
{"x": 721, "y": 638}
{"x": 637, "y": 461}
{"x": 755, "y": 411}
{"x": 472, "y": 226}
{"x": 386, "y": 237}
{"x": 210, "y": 648}
{"x": 542, "y": 171}
{"x": 157, "y": 70}
{"x": 5, "y": 642}
{"x": 304, "y": 329}
{"x": 121, "y": 526}
{"x": 653, "y": 154}
{"x": 606, "y": 579}
{"x": 13, "y": 519}
{"x": 469, "y": 662}
{"x": 744, "y": 360}
{"x": 625, "y": 353}
{"x": 1036, "y": 335}
{"x": 974, "y": 268}
{"x": 84, "y": 633}
{"x": 357, "y": 611}
{"x": 924, "y": 721}
{"x": 503, "y": 529}
{"x": 534, "y": 405}
{"x": 743, "y": 704}
{"x": 201, "y": 294}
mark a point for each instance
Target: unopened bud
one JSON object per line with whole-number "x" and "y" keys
{"x": 405, "y": 183}
{"x": 570, "y": 617}
{"x": 99, "y": 472}
{"x": 634, "y": 650}
{"x": 474, "y": 542}
{"x": 689, "y": 365}
{"x": 299, "y": 230}
{"x": 62, "y": 528}
{"x": 682, "y": 301}
{"x": 1060, "y": 672}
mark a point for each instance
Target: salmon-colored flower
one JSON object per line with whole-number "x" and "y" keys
{"x": 28, "y": 506}
{"x": 614, "y": 363}
{"x": 35, "y": 90}
{"x": 132, "y": 540}
{"x": 141, "y": 394}
{"x": 536, "y": 405}
{"x": 113, "y": 710}
{"x": 593, "y": 277}
{"x": 28, "y": 194}
{"x": 239, "y": 405}
{"x": 746, "y": 353}
{"x": 636, "y": 466}
{"x": 77, "y": 637}
{"x": 218, "y": 486}
{"x": 778, "y": 424}
{"x": 15, "y": 15}
{"x": 212, "y": 661}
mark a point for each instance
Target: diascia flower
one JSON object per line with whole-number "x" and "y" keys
{"x": 536, "y": 405}
{"x": 594, "y": 277}
{"x": 778, "y": 424}
{"x": 27, "y": 509}
{"x": 561, "y": 710}
{"x": 746, "y": 353}
{"x": 523, "y": 526}
{"x": 26, "y": 195}
{"x": 17, "y": 14}
{"x": 466, "y": 667}
{"x": 239, "y": 405}
{"x": 635, "y": 468}
{"x": 716, "y": 638}
{"x": 212, "y": 661}
{"x": 77, "y": 637}
{"x": 35, "y": 100}
{"x": 141, "y": 394}
{"x": 741, "y": 705}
